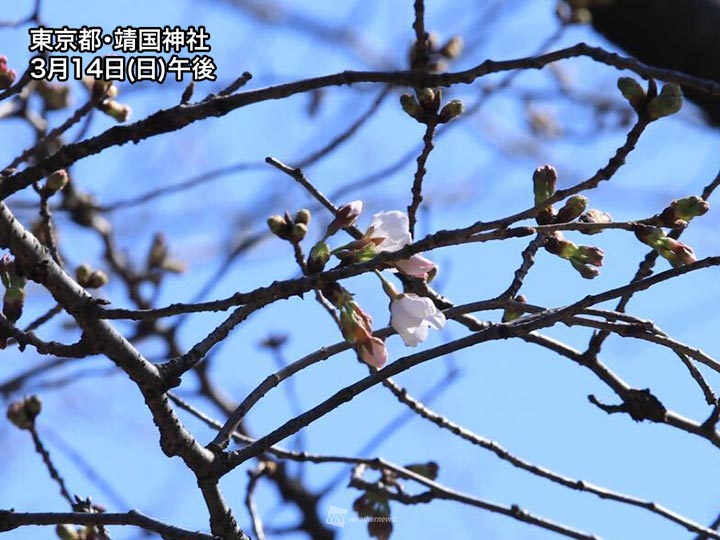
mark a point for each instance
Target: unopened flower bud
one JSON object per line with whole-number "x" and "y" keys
{"x": 677, "y": 253}
{"x": 429, "y": 99}
{"x": 572, "y": 209}
{"x": 345, "y": 217}
{"x": 689, "y": 207}
{"x": 66, "y": 532}
{"x": 7, "y": 76}
{"x": 298, "y": 232}
{"x": 589, "y": 255}
{"x": 648, "y": 235}
{"x": 13, "y": 301}
{"x": 411, "y": 106}
{"x": 586, "y": 271}
{"x": 668, "y": 102}
{"x": 56, "y": 181}
{"x": 97, "y": 279}
{"x": 319, "y": 256}
{"x": 557, "y": 245}
{"x": 82, "y": 273}
{"x": 89, "y": 278}
{"x": 117, "y": 110}
{"x": 544, "y": 183}
{"x": 631, "y": 90}
{"x": 511, "y": 314}
{"x": 594, "y": 216}
{"x": 280, "y": 226}
{"x": 452, "y": 48}
{"x": 23, "y": 413}
{"x": 302, "y": 216}
{"x": 451, "y": 110}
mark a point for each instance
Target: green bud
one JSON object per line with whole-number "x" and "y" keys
{"x": 298, "y": 232}
{"x": 544, "y": 183}
{"x": 586, "y": 271}
{"x": 280, "y": 226}
{"x": 511, "y": 314}
{"x": 319, "y": 256}
{"x": 412, "y": 107}
{"x": 572, "y": 209}
{"x": 632, "y": 91}
{"x": 668, "y": 102}
{"x": 13, "y": 301}
{"x": 22, "y": 413}
{"x": 89, "y": 278}
{"x": 557, "y": 245}
{"x": 66, "y": 532}
{"x": 429, "y": 99}
{"x": 302, "y": 216}
{"x": 97, "y": 279}
{"x": 594, "y": 216}
{"x": 56, "y": 181}
{"x": 689, "y": 207}
{"x": 588, "y": 255}
{"x": 677, "y": 253}
{"x": 649, "y": 235}
{"x": 451, "y": 110}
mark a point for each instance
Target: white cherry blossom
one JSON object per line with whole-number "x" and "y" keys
{"x": 412, "y": 317}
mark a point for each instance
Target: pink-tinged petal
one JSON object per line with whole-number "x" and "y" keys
{"x": 392, "y": 228}
{"x": 412, "y": 316}
{"x": 417, "y": 266}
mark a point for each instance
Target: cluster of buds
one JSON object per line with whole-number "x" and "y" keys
{"x": 55, "y": 182}
{"x": 55, "y": 96}
{"x": 667, "y": 102}
{"x": 159, "y": 260}
{"x": 679, "y": 213}
{"x": 105, "y": 92}
{"x": 425, "y": 104}
{"x": 356, "y": 326}
{"x": 575, "y": 207}
{"x": 7, "y": 75}
{"x": 14, "y": 282}
{"x": 287, "y": 228}
{"x": 431, "y": 56}
{"x": 584, "y": 259}
{"x": 677, "y": 253}
{"x": 89, "y": 278}
{"x": 22, "y": 414}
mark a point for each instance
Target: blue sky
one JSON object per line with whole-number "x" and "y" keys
{"x": 527, "y": 399}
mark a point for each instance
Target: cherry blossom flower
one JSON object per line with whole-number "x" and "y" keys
{"x": 390, "y": 231}
{"x": 412, "y": 316}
